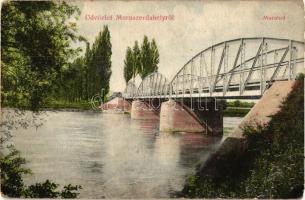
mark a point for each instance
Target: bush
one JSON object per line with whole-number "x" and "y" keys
{"x": 12, "y": 184}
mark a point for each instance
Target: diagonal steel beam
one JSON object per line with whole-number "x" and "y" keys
{"x": 277, "y": 67}
{"x": 219, "y": 66}
{"x": 205, "y": 69}
{"x": 234, "y": 65}
{"x": 253, "y": 65}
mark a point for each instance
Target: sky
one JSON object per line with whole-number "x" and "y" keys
{"x": 196, "y": 26}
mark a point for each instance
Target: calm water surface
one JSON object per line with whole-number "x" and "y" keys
{"x": 111, "y": 155}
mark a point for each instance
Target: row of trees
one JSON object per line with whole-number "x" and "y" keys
{"x": 88, "y": 75}
{"x": 142, "y": 61}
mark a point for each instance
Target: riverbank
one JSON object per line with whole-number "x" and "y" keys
{"x": 237, "y": 108}
{"x": 266, "y": 163}
{"x": 64, "y": 105}
{"x": 57, "y": 105}
{"x": 236, "y": 111}
{"x": 233, "y": 109}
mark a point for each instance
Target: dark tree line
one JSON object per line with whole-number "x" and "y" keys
{"x": 141, "y": 60}
{"x": 88, "y": 75}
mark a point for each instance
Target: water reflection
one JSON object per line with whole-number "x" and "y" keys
{"x": 111, "y": 155}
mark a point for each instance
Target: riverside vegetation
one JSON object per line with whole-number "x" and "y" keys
{"x": 272, "y": 165}
{"x": 36, "y": 48}
{"x": 12, "y": 183}
{"x": 237, "y": 108}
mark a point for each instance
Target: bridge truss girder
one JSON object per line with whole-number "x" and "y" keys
{"x": 234, "y": 68}
{"x": 239, "y": 67}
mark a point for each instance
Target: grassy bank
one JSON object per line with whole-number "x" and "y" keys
{"x": 235, "y": 112}
{"x": 270, "y": 167}
{"x": 237, "y": 108}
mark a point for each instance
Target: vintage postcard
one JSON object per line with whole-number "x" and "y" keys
{"x": 152, "y": 99}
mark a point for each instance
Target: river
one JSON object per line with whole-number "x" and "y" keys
{"x": 111, "y": 155}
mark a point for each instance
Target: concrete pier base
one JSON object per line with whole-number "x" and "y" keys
{"x": 175, "y": 117}
{"x": 142, "y": 110}
{"x": 189, "y": 116}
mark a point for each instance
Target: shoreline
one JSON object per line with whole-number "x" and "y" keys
{"x": 228, "y": 112}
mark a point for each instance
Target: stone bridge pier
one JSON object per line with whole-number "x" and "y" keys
{"x": 192, "y": 115}
{"x": 145, "y": 108}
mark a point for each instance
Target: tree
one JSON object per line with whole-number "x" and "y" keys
{"x": 128, "y": 65}
{"x": 86, "y": 67}
{"x": 98, "y": 61}
{"x": 105, "y": 66}
{"x": 35, "y": 39}
{"x": 149, "y": 57}
{"x": 146, "y": 58}
{"x": 87, "y": 75}
{"x": 136, "y": 54}
{"x": 155, "y": 55}
{"x": 141, "y": 61}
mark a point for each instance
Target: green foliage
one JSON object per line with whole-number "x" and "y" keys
{"x": 272, "y": 166}
{"x": 242, "y": 104}
{"x": 136, "y": 59}
{"x": 87, "y": 75}
{"x": 11, "y": 173}
{"x": 141, "y": 61}
{"x": 149, "y": 57}
{"x": 154, "y": 56}
{"x": 67, "y": 191}
{"x": 12, "y": 184}
{"x": 35, "y": 45}
{"x": 42, "y": 190}
{"x": 100, "y": 63}
{"x": 36, "y": 39}
{"x": 238, "y": 108}
{"x": 300, "y": 76}
{"x": 129, "y": 71}
{"x": 280, "y": 166}
{"x": 62, "y": 104}
{"x": 235, "y": 112}
{"x": 49, "y": 190}
{"x": 145, "y": 58}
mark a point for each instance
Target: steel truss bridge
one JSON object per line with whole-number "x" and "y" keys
{"x": 234, "y": 69}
